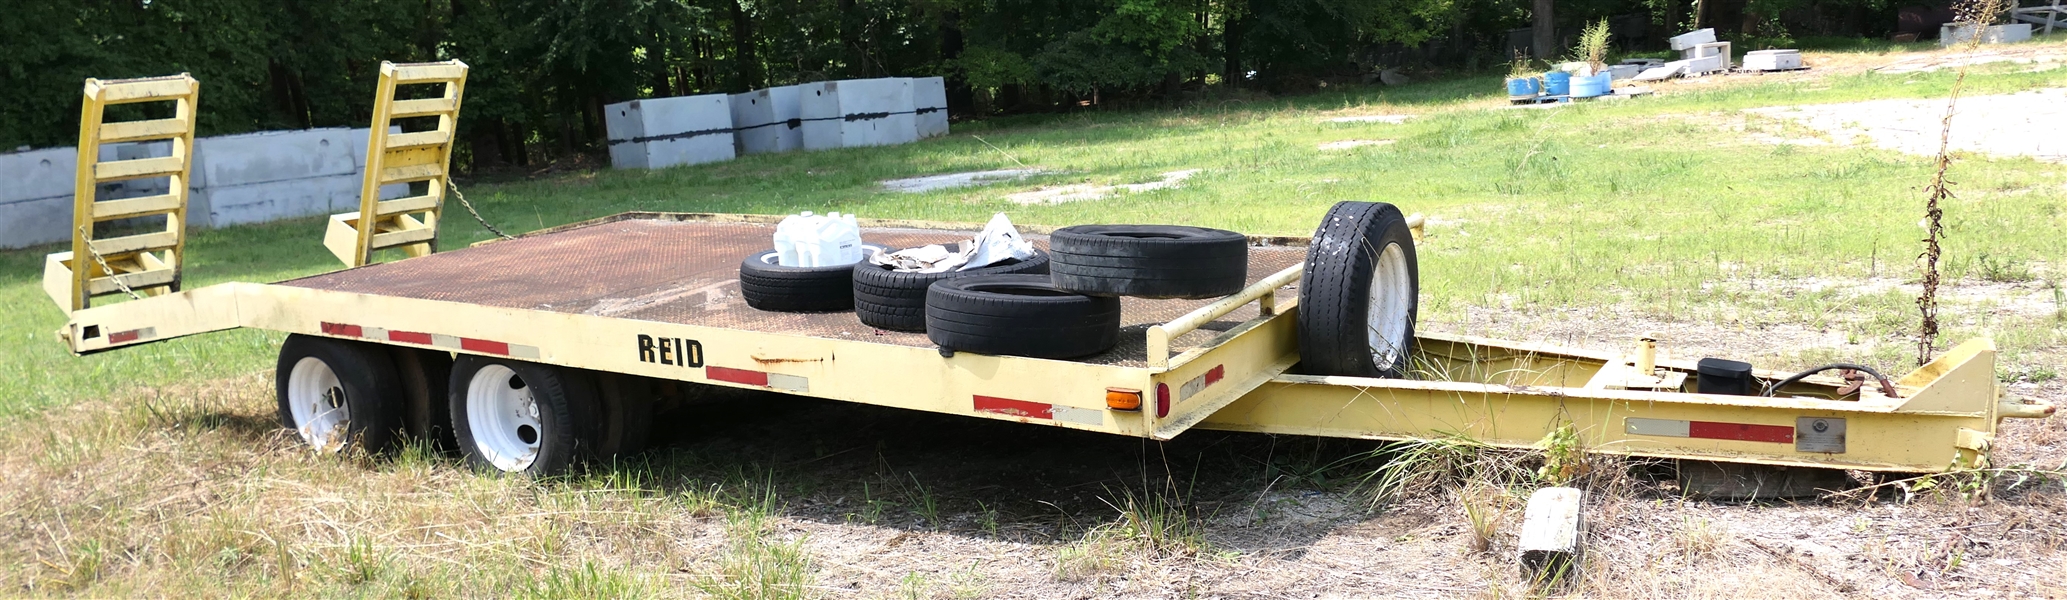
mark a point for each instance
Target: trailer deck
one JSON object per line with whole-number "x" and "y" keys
{"x": 686, "y": 272}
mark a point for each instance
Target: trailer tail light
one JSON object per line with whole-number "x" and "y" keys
{"x": 1162, "y": 400}
{"x": 1122, "y": 399}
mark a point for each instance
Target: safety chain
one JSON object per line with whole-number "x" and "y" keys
{"x": 470, "y": 210}
{"x": 112, "y": 275}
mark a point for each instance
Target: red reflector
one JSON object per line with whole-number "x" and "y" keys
{"x": 487, "y": 346}
{"x": 742, "y": 376}
{"x": 340, "y": 329}
{"x": 1162, "y": 400}
{"x": 409, "y": 337}
{"x": 1778, "y": 434}
{"x": 120, "y": 337}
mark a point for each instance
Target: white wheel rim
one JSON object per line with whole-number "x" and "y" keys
{"x": 502, "y": 415}
{"x": 317, "y": 401}
{"x": 1386, "y": 316}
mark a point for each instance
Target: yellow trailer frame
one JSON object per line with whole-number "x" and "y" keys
{"x": 1496, "y": 392}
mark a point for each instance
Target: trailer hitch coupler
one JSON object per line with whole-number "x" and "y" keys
{"x": 2013, "y": 407}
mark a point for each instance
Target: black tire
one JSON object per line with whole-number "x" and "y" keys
{"x": 896, "y": 301}
{"x": 769, "y": 286}
{"x": 627, "y": 413}
{"x": 1019, "y": 315}
{"x": 362, "y": 384}
{"x": 1149, "y": 261}
{"x": 1335, "y": 301}
{"x": 566, "y": 421}
{"x": 426, "y": 415}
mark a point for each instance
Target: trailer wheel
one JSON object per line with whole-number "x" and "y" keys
{"x": 519, "y": 417}
{"x": 337, "y": 393}
{"x": 627, "y": 413}
{"x": 1019, "y": 315}
{"x": 895, "y": 300}
{"x": 1149, "y": 261}
{"x": 425, "y": 414}
{"x": 1358, "y": 296}
{"x": 767, "y": 285}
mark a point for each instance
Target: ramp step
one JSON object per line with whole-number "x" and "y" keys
{"x": 131, "y": 131}
{"x": 136, "y": 207}
{"x": 139, "y": 168}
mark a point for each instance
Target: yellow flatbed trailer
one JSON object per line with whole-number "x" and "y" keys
{"x": 528, "y": 353}
{"x": 656, "y": 296}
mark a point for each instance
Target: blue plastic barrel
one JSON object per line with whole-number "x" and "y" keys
{"x": 1557, "y": 83}
{"x": 1589, "y": 87}
{"x": 1523, "y": 87}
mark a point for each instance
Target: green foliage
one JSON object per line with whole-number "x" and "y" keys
{"x": 1593, "y": 46}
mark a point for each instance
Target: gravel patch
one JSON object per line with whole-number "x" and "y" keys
{"x": 2021, "y": 124}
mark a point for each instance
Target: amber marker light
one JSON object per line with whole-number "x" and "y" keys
{"x": 1122, "y": 399}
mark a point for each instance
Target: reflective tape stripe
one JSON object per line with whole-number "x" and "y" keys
{"x": 439, "y": 340}
{"x": 1200, "y": 383}
{"x": 1039, "y": 410}
{"x": 778, "y": 381}
{"x": 1709, "y": 430}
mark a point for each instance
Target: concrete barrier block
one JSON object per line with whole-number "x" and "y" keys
{"x": 278, "y": 156}
{"x": 818, "y": 107}
{"x": 277, "y": 200}
{"x": 37, "y": 174}
{"x": 877, "y": 112}
{"x": 767, "y": 121}
{"x": 1693, "y": 38}
{"x": 665, "y": 132}
{"x": 31, "y": 222}
{"x": 929, "y": 98}
{"x": 857, "y": 112}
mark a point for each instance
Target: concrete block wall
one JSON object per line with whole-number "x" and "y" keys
{"x": 664, "y": 132}
{"x": 767, "y": 121}
{"x": 929, "y": 98}
{"x": 249, "y": 178}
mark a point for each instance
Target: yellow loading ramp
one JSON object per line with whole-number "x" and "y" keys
{"x": 135, "y": 264}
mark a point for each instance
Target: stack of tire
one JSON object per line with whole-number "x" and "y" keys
{"x": 1075, "y": 310}
{"x": 896, "y": 300}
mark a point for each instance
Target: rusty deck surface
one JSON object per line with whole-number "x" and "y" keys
{"x": 687, "y": 272}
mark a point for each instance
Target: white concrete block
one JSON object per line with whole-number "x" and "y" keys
{"x": 1690, "y": 39}
{"x": 277, "y": 156}
{"x": 37, "y": 174}
{"x": 1618, "y": 72}
{"x": 1666, "y": 71}
{"x": 664, "y": 132}
{"x": 818, "y": 106}
{"x": 767, "y": 120}
{"x": 1772, "y": 60}
{"x": 929, "y": 100}
{"x": 277, "y": 200}
{"x": 30, "y": 222}
{"x": 1705, "y": 65}
{"x": 1959, "y": 33}
{"x": 858, "y": 112}
{"x": 1553, "y": 532}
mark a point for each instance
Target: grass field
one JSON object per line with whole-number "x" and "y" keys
{"x": 154, "y": 469}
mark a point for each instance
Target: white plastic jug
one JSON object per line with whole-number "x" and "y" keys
{"x": 807, "y": 240}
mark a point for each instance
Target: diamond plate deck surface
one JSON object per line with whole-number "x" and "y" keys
{"x": 687, "y": 272}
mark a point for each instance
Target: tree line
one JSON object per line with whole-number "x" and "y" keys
{"x": 542, "y": 70}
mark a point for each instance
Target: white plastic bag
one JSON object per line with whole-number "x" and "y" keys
{"x": 999, "y": 242}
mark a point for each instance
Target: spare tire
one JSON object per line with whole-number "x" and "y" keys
{"x": 767, "y": 285}
{"x": 1019, "y": 315}
{"x": 1149, "y": 261}
{"x": 1358, "y": 297}
{"x": 895, "y": 300}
